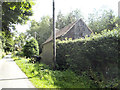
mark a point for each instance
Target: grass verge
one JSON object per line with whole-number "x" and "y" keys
{"x": 42, "y": 77}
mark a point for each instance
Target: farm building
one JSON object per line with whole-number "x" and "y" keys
{"x": 75, "y": 30}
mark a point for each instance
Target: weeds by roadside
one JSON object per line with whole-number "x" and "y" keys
{"x": 43, "y": 77}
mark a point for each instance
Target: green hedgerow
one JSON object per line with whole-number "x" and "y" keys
{"x": 98, "y": 52}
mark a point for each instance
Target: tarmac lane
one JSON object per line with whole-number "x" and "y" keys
{"x": 11, "y": 75}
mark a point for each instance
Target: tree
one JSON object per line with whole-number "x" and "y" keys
{"x": 14, "y": 13}
{"x": 20, "y": 40}
{"x": 31, "y": 48}
{"x": 42, "y": 30}
{"x": 98, "y": 22}
{"x": 7, "y": 42}
{"x": 72, "y": 16}
{"x": 60, "y": 23}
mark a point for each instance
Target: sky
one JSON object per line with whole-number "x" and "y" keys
{"x": 44, "y": 8}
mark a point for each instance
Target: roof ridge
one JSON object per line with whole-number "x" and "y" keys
{"x": 69, "y": 27}
{"x": 72, "y": 24}
{"x": 58, "y": 34}
{"x": 65, "y": 30}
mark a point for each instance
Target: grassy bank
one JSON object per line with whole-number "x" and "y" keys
{"x": 42, "y": 77}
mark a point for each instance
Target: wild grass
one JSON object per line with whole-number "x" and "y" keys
{"x": 42, "y": 77}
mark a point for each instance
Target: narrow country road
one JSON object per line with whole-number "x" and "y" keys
{"x": 11, "y": 75}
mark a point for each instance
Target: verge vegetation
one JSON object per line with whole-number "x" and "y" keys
{"x": 43, "y": 77}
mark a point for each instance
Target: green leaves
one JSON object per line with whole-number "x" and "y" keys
{"x": 99, "y": 52}
{"x": 64, "y": 20}
{"x": 102, "y": 20}
{"x": 31, "y": 48}
{"x": 13, "y": 8}
{"x": 41, "y": 29}
{"x": 15, "y": 12}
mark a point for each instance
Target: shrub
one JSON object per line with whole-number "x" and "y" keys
{"x": 98, "y": 52}
{"x": 31, "y": 48}
{"x": 19, "y": 53}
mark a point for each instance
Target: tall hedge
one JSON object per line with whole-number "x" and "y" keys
{"x": 31, "y": 48}
{"x": 98, "y": 52}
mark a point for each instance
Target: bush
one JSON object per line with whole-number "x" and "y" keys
{"x": 98, "y": 52}
{"x": 31, "y": 48}
{"x": 19, "y": 53}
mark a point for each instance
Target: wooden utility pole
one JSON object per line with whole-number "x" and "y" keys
{"x": 54, "y": 36}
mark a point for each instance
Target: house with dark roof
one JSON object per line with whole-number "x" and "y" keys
{"x": 75, "y": 30}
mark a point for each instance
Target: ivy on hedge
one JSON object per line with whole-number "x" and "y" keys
{"x": 98, "y": 52}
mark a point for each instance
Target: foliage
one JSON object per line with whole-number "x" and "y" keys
{"x": 7, "y": 42}
{"x": 104, "y": 19}
{"x": 19, "y": 41}
{"x": 98, "y": 53}
{"x": 2, "y": 53}
{"x": 14, "y": 13}
{"x": 42, "y": 30}
{"x": 43, "y": 77}
{"x": 64, "y": 20}
{"x": 31, "y": 48}
{"x": 19, "y": 53}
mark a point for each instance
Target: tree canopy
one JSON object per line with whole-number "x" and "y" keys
{"x": 100, "y": 20}
{"x": 42, "y": 30}
{"x": 64, "y": 20}
{"x": 14, "y": 13}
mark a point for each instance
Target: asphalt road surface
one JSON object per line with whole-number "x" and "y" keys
{"x": 11, "y": 75}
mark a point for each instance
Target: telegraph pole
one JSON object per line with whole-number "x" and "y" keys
{"x": 54, "y": 36}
